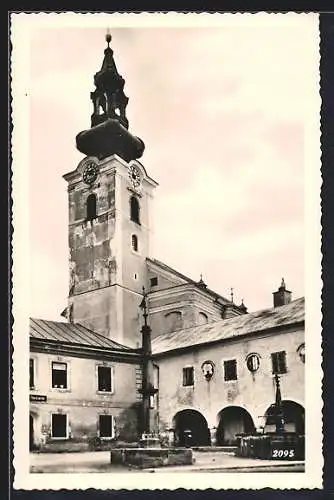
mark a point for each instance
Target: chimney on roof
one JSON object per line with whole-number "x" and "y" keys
{"x": 282, "y": 296}
{"x": 68, "y": 313}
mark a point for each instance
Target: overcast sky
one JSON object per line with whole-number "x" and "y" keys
{"x": 221, "y": 112}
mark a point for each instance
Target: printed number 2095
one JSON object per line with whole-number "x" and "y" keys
{"x": 283, "y": 453}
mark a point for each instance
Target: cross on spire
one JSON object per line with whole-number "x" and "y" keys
{"x": 201, "y": 282}
{"x": 108, "y": 37}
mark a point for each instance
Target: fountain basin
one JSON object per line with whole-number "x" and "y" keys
{"x": 151, "y": 457}
{"x": 285, "y": 446}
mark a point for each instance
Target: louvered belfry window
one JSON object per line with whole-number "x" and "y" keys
{"x": 91, "y": 206}
{"x": 134, "y": 209}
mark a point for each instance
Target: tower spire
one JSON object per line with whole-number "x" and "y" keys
{"x": 108, "y": 36}
{"x": 108, "y": 98}
{"x": 109, "y": 125}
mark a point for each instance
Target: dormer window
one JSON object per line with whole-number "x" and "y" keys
{"x": 173, "y": 321}
{"x": 154, "y": 281}
{"x": 134, "y": 209}
{"x": 91, "y": 207}
{"x": 134, "y": 243}
{"x": 203, "y": 318}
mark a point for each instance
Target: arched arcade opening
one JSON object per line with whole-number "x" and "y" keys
{"x": 233, "y": 420}
{"x": 293, "y": 415}
{"x": 191, "y": 429}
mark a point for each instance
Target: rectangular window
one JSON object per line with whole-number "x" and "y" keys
{"x": 31, "y": 374}
{"x": 59, "y": 425}
{"x": 278, "y": 360}
{"x": 230, "y": 370}
{"x": 106, "y": 426}
{"x": 154, "y": 281}
{"x": 188, "y": 375}
{"x": 104, "y": 379}
{"x": 59, "y": 375}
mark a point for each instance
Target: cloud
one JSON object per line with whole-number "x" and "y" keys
{"x": 48, "y": 288}
{"x": 221, "y": 111}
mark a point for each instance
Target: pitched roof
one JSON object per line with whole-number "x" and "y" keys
{"x": 198, "y": 284}
{"x": 230, "y": 328}
{"x": 71, "y": 333}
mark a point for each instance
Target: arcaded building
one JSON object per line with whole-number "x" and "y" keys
{"x": 214, "y": 361}
{"x": 218, "y": 380}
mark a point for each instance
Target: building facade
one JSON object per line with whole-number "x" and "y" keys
{"x": 83, "y": 388}
{"x": 110, "y": 198}
{"x": 218, "y": 380}
{"x": 214, "y": 362}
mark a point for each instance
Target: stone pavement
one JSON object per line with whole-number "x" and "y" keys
{"x": 204, "y": 462}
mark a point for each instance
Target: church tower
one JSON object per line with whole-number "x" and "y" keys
{"x": 109, "y": 196}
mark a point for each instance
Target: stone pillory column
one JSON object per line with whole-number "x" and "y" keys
{"x": 150, "y": 432}
{"x": 279, "y": 417}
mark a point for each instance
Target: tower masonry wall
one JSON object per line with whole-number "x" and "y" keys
{"x": 91, "y": 242}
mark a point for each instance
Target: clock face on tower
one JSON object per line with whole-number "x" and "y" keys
{"x": 90, "y": 173}
{"x": 135, "y": 176}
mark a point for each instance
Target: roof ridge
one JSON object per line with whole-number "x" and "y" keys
{"x": 161, "y": 263}
{"x": 88, "y": 330}
{"x": 226, "y": 321}
{"x": 189, "y": 280}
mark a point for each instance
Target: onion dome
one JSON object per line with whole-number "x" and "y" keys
{"x": 109, "y": 125}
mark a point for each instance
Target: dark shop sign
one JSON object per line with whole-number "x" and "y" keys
{"x": 37, "y": 398}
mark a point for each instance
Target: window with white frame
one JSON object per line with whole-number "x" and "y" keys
{"x": 59, "y": 375}
{"x": 59, "y": 425}
{"x": 106, "y": 426}
{"x": 104, "y": 379}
